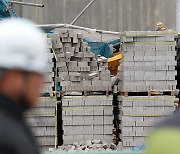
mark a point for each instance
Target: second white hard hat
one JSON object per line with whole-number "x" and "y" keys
{"x": 22, "y": 46}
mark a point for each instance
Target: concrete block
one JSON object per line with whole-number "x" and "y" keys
{"x": 137, "y": 138}
{"x": 79, "y": 35}
{"x": 128, "y": 133}
{"x": 82, "y": 64}
{"x": 145, "y": 123}
{"x": 128, "y": 123}
{"x": 141, "y": 133}
{"x": 72, "y": 63}
{"x": 100, "y": 137}
{"x": 78, "y": 137}
{"x": 108, "y": 111}
{"x": 88, "y": 137}
{"x": 127, "y": 139}
{"x": 108, "y": 137}
{"x": 138, "y": 129}
{"x": 98, "y": 120}
{"x": 97, "y": 111}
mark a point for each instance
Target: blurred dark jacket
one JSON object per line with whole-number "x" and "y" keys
{"x": 15, "y": 136}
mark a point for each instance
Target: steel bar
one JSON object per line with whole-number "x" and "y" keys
{"x": 82, "y": 12}
{"x": 24, "y": 3}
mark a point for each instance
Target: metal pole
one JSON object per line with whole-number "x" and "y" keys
{"x": 53, "y": 26}
{"x": 82, "y": 12}
{"x": 24, "y": 3}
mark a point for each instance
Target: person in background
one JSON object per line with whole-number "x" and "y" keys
{"x": 160, "y": 27}
{"x": 22, "y": 63}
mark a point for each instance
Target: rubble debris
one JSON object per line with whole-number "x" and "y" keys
{"x": 88, "y": 145}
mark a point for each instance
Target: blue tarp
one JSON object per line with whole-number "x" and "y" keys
{"x": 139, "y": 147}
{"x": 4, "y": 4}
{"x": 101, "y": 48}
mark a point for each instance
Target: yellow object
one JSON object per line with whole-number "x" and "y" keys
{"x": 114, "y": 63}
{"x": 176, "y": 105}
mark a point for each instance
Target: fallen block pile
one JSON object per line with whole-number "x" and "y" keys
{"x": 148, "y": 65}
{"x": 87, "y": 118}
{"x": 89, "y": 145}
{"x": 78, "y": 69}
{"x": 84, "y": 117}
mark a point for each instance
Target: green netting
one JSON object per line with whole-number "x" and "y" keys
{"x": 102, "y": 48}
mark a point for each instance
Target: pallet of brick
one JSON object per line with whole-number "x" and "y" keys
{"x": 148, "y": 61}
{"x": 48, "y": 83}
{"x": 178, "y": 60}
{"x": 87, "y": 118}
{"x": 42, "y": 120}
{"x": 78, "y": 68}
{"x": 139, "y": 115}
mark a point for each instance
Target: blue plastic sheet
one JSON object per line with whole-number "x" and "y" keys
{"x": 102, "y": 48}
{"x": 139, "y": 148}
{"x": 4, "y": 4}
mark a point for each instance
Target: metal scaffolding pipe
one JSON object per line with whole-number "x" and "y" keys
{"x": 29, "y": 4}
{"x": 53, "y": 26}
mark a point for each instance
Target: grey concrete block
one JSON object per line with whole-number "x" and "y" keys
{"x": 128, "y": 133}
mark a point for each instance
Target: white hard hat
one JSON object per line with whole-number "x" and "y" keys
{"x": 22, "y": 46}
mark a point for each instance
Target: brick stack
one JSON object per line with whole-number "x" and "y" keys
{"x": 178, "y": 61}
{"x": 139, "y": 114}
{"x": 148, "y": 62}
{"x": 42, "y": 119}
{"x": 84, "y": 117}
{"x": 148, "y": 65}
{"x": 87, "y": 118}
{"x": 77, "y": 66}
{"x": 48, "y": 84}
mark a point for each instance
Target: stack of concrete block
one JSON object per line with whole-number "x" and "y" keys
{"x": 140, "y": 114}
{"x": 178, "y": 61}
{"x": 42, "y": 121}
{"x": 148, "y": 64}
{"x": 87, "y": 118}
{"x": 48, "y": 84}
{"x": 78, "y": 68}
{"x": 148, "y": 61}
